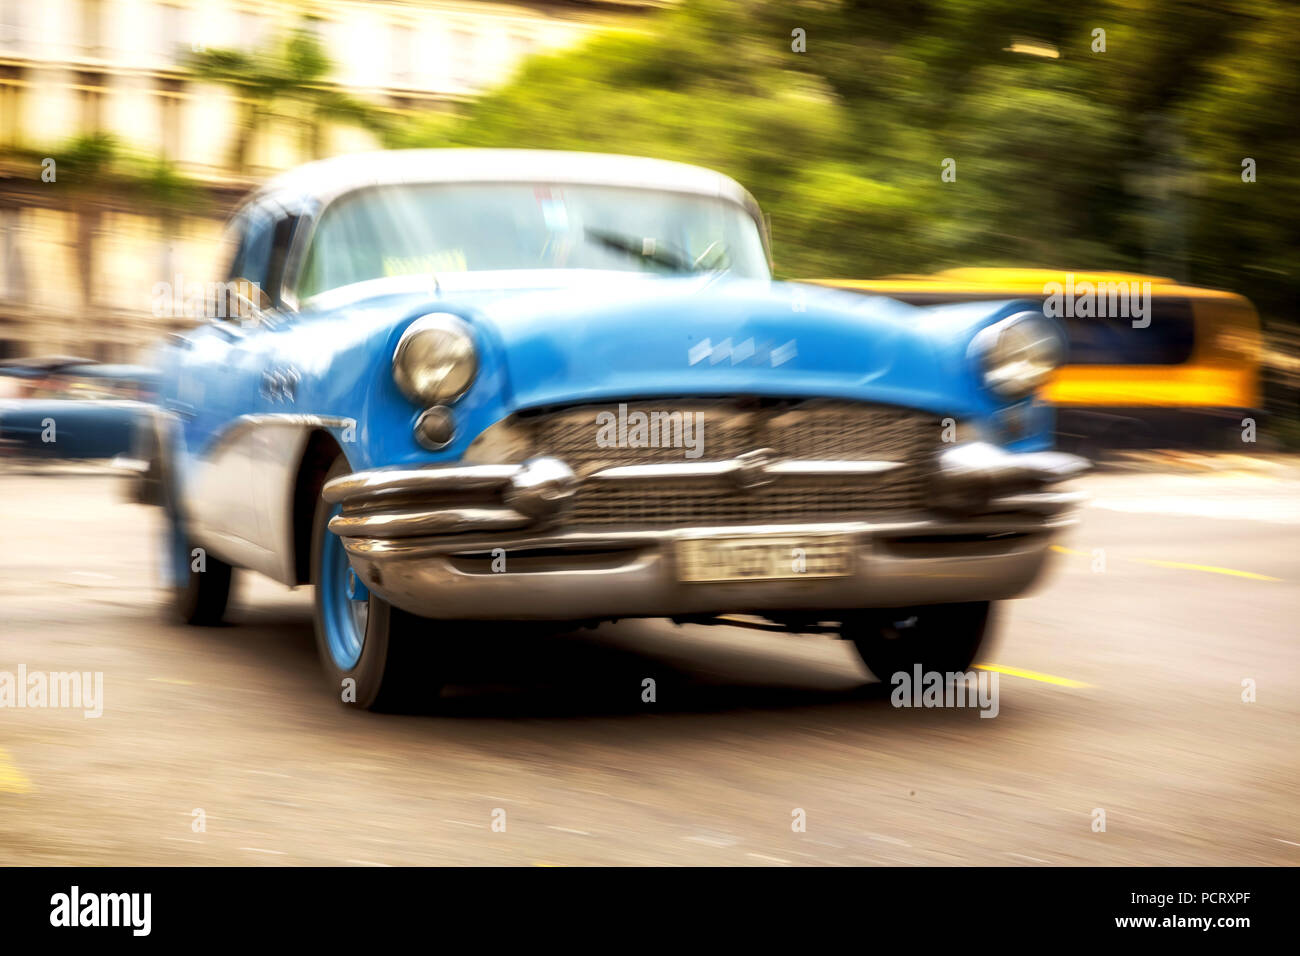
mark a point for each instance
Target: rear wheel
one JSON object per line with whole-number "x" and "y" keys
{"x": 939, "y": 637}
{"x": 375, "y": 655}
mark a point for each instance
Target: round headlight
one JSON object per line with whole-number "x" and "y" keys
{"x": 435, "y": 360}
{"x": 1018, "y": 353}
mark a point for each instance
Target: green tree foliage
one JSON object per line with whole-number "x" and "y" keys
{"x": 284, "y": 80}
{"x": 1065, "y": 156}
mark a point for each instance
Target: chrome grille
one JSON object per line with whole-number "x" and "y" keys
{"x": 810, "y": 430}
{"x": 786, "y": 501}
{"x": 805, "y": 430}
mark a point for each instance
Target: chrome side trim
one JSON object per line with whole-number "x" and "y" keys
{"x": 247, "y": 423}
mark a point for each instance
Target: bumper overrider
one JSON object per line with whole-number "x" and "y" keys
{"x": 490, "y": 541}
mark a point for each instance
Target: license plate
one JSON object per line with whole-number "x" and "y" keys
{"x": 764, "y": 558}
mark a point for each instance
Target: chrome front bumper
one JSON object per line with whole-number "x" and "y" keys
{"x": 489, "y": 541}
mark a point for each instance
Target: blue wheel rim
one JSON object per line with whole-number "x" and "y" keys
{"x": 344, "y": 603}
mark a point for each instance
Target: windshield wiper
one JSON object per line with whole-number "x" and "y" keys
{"x": 652, "y": 249}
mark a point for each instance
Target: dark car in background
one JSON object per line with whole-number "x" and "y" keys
{"x": 70, "y": 408}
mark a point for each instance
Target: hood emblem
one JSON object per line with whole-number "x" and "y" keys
{"x": 751, "y": 469}
{"x": 747, "y": 351}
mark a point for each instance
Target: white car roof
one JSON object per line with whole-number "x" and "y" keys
{"x": 326, "y": 179}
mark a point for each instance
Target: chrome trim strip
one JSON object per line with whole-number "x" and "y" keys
{"x": 981, "y": 462}
{"x": 382, "y": 481}
{"x": 672, "y": 469}
{"x": 824, "y": 467}
{"x": 246, "y": 423}
{"x": 901, "y": 526}
{"x": 367, "y": 484}
{"x": 416, "y": 523}
{"x": 1046, "y": 502}
{"x": 722, "y": 469}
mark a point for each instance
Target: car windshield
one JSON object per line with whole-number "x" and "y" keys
{"x": 467, "y": 227}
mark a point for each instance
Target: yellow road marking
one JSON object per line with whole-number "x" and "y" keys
{"x": 1179, "y": 565}
{"x": 1031, "y": 675}
{"x": 1209, "y": 568}
{"x": 11, "y": 778}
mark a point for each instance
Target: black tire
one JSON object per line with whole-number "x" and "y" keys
{"x": 939, "y": 637}
{"x": 146, "y": 488}
{"x": 397, "y": 671}
{"x": 201, "y": 596}
{"x": 202, "y": 601}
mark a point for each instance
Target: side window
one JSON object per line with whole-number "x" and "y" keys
{"x": 253, "y": 259}
{"x": 1167, "y": 340}
{"x": 260, "y": 256}
{"x": 282, "y": 237}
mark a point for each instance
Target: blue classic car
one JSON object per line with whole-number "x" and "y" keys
{"x": 464, "y": 386}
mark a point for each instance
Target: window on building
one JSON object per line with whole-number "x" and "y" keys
{"x": 401, "y": 44}
{"x": 249, "y": 30}
{"x": 92, "y": 27}
{"x": 13, "y": 278}
{"x": 11, "y": 24}
{"x": 462, "y": 59}
{"x": 172, "y": 43}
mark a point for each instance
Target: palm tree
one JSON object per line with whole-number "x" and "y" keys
{"x": 286, "y": 79}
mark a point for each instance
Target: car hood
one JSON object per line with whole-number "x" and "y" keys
{"x": 712, "y": 335}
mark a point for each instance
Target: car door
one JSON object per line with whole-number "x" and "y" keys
{"x": 220, "y": 387}
{"x": 276, "y": 447}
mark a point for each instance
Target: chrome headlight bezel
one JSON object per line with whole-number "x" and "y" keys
{"x": 1017, "y": 354}
{"x": 436, "y": 359}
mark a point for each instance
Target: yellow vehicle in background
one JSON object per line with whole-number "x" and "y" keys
{"x": 1185, "y": 373}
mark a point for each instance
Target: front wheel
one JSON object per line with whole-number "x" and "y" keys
{"x": 939, "y": 637}
{"x": 375, "y": 655}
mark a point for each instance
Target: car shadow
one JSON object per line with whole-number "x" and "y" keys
{"x": 497, "y": 671}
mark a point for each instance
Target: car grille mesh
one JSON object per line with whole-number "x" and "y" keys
{"x": 788, "y": 500}
{"x": 806, "y": 431}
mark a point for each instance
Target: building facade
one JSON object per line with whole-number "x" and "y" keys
{"x": 81, "y": 271}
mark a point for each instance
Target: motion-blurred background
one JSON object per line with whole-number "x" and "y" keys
{"x": 1087, "y": 136}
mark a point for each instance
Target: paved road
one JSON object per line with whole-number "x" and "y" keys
{"x": 1200, "y": 590}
